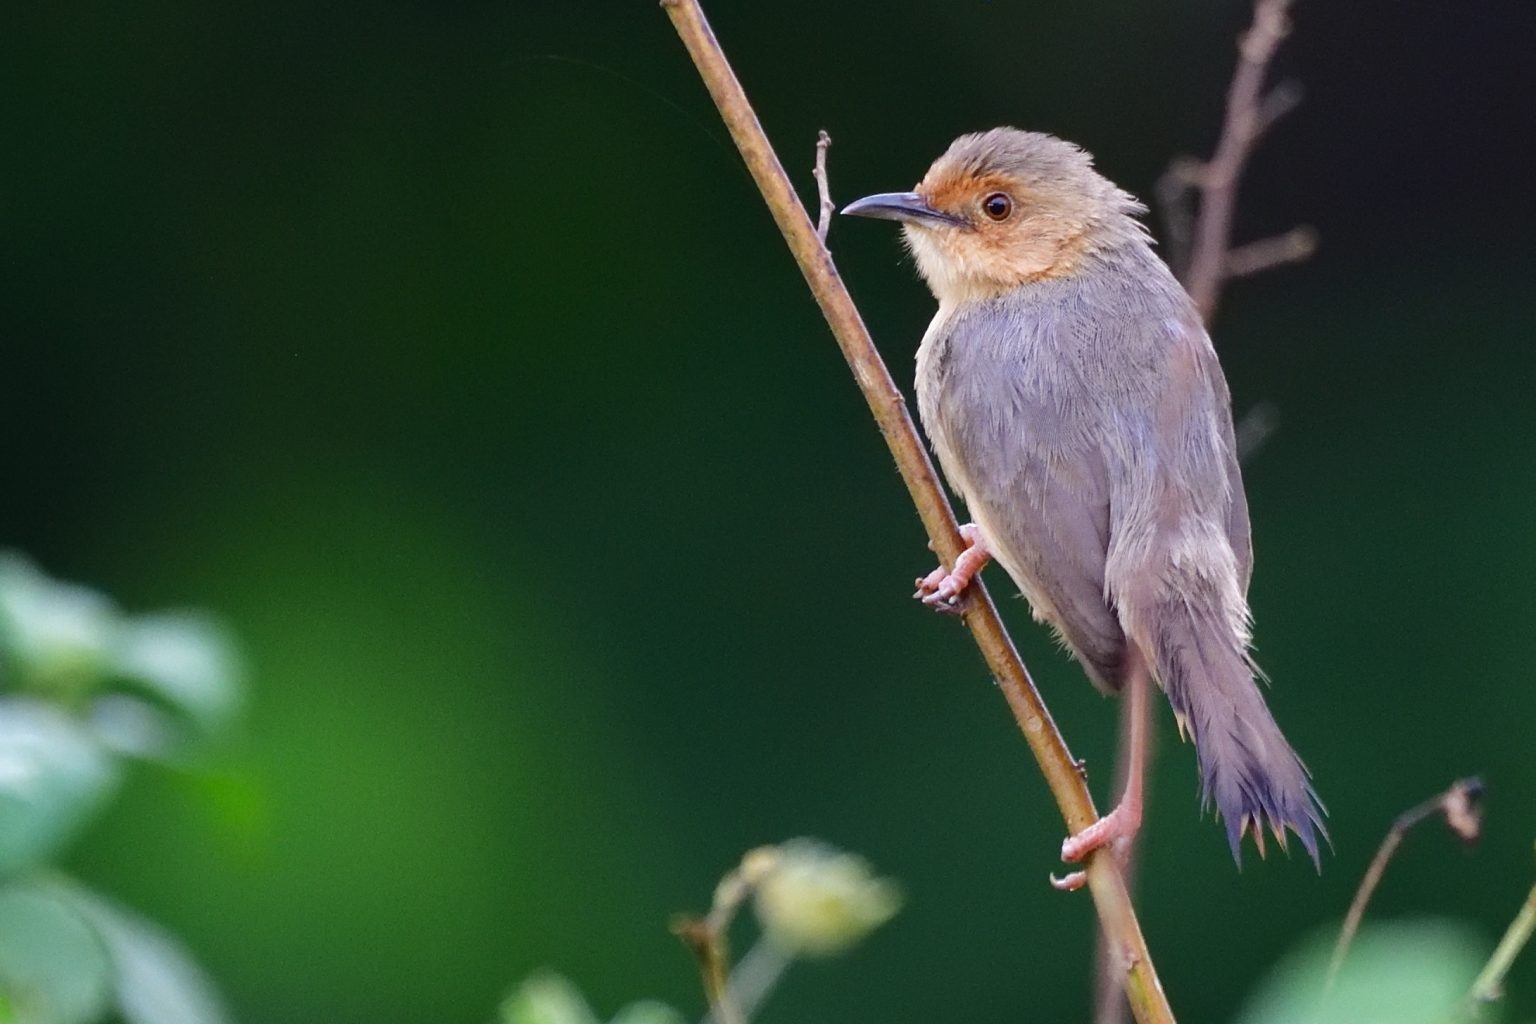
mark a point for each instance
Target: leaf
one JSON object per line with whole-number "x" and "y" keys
{"x": 184, "y": 662}
{"x": 1413, "y": 972}
{"x": 546, "y": 999}
{"x": 57, "y": 636}
{"x": 53, "y": 777}
{"x": 648, "y": 1011}
{"x": 53, "y": 966}
{"x": 155, "y": 980}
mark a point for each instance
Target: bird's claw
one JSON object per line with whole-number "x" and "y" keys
{"x": 943, "y": 589}
{"x": 1115, "y": 830}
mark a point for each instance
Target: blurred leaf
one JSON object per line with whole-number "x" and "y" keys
{"x": 1414, "y": 972}
{"x": 182, "y": 662}
{"x": 155, "y": 980}
{"x": 53, "y": 966}
{"x": 136, "y": 727}
{"x": 648, "y": 1011}
{"x": 57, "y": 636}
{"x": 546, "y": 999}
{"x": 53, "y": 776}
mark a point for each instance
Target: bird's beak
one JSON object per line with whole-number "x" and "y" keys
{"x": 907, "y": 207}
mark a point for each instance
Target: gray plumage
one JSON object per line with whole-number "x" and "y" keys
{"x": 1080, "y": 412}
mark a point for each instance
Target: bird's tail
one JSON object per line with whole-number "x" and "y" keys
{"x": 1247, "y": 769}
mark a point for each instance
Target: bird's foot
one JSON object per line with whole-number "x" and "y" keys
{"x": 943, "y": 588}
{"x": 1117, "y": 830}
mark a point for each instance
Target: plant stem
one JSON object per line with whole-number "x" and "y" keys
{"x": 1489, "y": 984}
{"x": 1462, "y": 793}
{"x": 708, "y": 948}
{"x": 1062, "y": 775}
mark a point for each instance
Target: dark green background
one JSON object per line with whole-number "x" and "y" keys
{"x": 447, "y": 352}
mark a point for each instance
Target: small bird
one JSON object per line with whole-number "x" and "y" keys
{"x": 1077, "y": 407}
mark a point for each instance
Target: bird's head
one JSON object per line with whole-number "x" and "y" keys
{"x": 1006, "y": 208}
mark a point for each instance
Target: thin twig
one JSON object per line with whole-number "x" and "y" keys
{"x": 890, "y": 412}
{"x": 1250, "y": 112}
{"x": 705, "y": 937}
{"x": 1458, "y": 805}
{"x": 1489, "y": 984}
{"x": 1295, "y": 246}
{"x": 823, "y": 191}
{"x": 708, "y": 948}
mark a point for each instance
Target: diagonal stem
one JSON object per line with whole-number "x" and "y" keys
{"x": 1489, "y": 984}
{"x": 1117, "y": 917}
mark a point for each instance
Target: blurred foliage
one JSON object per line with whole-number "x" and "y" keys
{"x": 1406, "y": 972}
{"x": 551, "y": 999}
{"x": 446, "y": 351}
{"x": 83, "y": 688}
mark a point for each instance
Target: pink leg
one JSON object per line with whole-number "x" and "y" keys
{"x": 1119, "y": 827}
{"x": 943, "y": 588}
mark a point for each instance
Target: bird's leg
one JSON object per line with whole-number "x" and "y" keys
{"x": 942, "y": 588}
{"x": 1118, "y": 828}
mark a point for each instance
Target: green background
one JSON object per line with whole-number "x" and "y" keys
{"x": 446, "y": 351}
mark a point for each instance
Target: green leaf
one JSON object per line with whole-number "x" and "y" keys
{"x": 53, "y": 777}
{"x": 57, "y": 637}
{"x": 546, "y": 999}
{"x": 182, "y": 662}
{"x": 53, "y": 966}
{"x": 155, "y": 980}
{"x": 1413, "y": 972}
{"x": 648, "y": 1011}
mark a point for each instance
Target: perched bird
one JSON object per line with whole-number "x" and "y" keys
{"x": 1076, "y": 405}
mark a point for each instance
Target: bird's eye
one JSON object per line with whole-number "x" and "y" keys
{"x": 997, "y": 206}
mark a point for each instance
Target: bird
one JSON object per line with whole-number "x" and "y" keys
{"x": 1075, "y": 403}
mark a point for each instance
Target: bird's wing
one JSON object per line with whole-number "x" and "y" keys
{"x": 1178, "y": 568}
{"x": 1239, "y": 533}
{"x": 1016, "y": 440}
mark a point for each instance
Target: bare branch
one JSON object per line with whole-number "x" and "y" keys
{"x": 1295, "y": 246}
{"x": 828, "y": 208}
{"x": 1056, "y": 763}
{"x": 1250, "y": 112}
{"x": 1458, "y": 805}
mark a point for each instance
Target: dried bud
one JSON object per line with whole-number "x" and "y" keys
{"x": 815, "y": 900}
{"x": 1463, "y": 807}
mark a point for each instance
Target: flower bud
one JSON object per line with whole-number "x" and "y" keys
{"x": 815, "y": 900}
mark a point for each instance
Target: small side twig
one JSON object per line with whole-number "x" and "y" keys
{"x": 705, "y": 936}
{"x": 1459, "y": 805}
{"x": 823, "y": 192}
{"x": 708, "y": 948}
{"x": 1295, "y": 246}
{"x": 1489, "y": 984}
